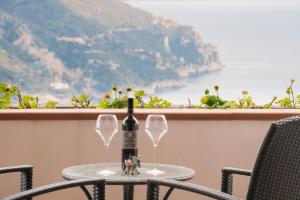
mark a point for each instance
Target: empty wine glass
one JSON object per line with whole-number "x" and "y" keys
{"x": 106, "y": 127}
{"x": 156, "y": 127}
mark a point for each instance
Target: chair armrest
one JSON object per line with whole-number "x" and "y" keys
{"x": 18, "y": 168}
{"x": 153, "y": 194}
{"x": 99, "y": 184}
{"x": 227, "y": 177}
{"x": 26, "y": 174}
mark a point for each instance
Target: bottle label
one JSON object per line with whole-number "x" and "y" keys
{"x": 130, "y": 139}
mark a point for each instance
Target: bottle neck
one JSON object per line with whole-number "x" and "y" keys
{"x": 130, "y": 113}
{"x": 130, "y": 108}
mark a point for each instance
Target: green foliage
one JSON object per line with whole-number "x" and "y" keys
{"x": 245, "y": 102}
{"x": 156, "y": 102}
{"x": 51, "y": 104}
{"x": 269, "y": 105}
{"x": 28, "y": 102}
{"x": 104, "y": 103}
{"x": 119, "y": 99}
{"x": 213, "y": 101}
{"x": 83, "y": 101}
{"x": 120, "y": 102}
{"x": 112, "y": 103}
{"x": 6, "y": 93}
{"x": 216, "y": 88}
{"x": 285, "y": 103}
{"x": 128, "y": 89}
{"x": 206, "y": 92}
{"x": 290, "y": 101}
{"x": 138, "y": 94}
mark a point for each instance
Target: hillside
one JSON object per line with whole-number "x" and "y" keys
{"x": 57, "y": 48}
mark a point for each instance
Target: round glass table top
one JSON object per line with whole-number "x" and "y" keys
{"x": 90, "y": 171}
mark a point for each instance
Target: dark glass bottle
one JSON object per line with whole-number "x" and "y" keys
{"x": 130, "y": 127}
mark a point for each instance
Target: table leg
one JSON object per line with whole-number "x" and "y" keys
{"x": 166, "y": 197}
{"x": 86, "y": 192}
{"x": 128, "y": 192}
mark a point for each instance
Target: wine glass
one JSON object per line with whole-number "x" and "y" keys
{"x": 106, "y": 127}
{"x": 156, "y": 127}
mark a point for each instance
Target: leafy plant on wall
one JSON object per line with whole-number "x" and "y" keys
{"x": 213, "y": 101}
{"x": 6, "y": 94}
{"x": 83, "y": 101}
{"x": 269, "y": 105}
{"x": 290, "y": 101}
{"x": 50, "y": 104}
{"x": 117, "y": 98}
{"x": 27, "y": 102}
{"x": 245, "y": 102}
{"x": 138, "y": 94}
{"x": 156, "y": 102}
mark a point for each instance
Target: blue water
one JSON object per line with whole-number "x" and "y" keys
{"x": 259, "y": 44}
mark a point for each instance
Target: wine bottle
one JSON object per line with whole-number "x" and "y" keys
{"x": 130, "y": 127}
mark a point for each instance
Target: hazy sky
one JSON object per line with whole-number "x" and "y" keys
{"x": 230, "y": 1}
{"x": 249, "y": 2}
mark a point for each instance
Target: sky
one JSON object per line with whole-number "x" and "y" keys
{"x": 270, "y": 3}
{"x": 231, "y": 1}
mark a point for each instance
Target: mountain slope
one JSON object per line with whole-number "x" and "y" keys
{"x": 63, "y": 47}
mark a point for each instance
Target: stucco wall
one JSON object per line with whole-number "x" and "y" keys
{"x": 206, "y": 146}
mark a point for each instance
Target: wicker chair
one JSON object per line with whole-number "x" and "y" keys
{"x": 276, "y": 174}
{"x": 99, "y": 189}
{"x": 26, "y": 185}
{"x": 26, "y": 174}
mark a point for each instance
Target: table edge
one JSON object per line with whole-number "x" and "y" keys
{"x": 111, "y": 181}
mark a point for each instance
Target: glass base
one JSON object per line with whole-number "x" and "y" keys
{"x": 155, "y": 172}
{"x": 106, "y": 172}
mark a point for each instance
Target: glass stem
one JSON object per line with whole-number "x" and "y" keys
{"x": 154, "y": 156}
{"x": 106, "y": 156}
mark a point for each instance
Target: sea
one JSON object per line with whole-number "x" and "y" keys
{"x": 259, "y": 43}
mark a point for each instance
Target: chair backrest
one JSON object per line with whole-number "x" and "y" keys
{"x": 276, "y": 174}
{"x": 26, "y": 174}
